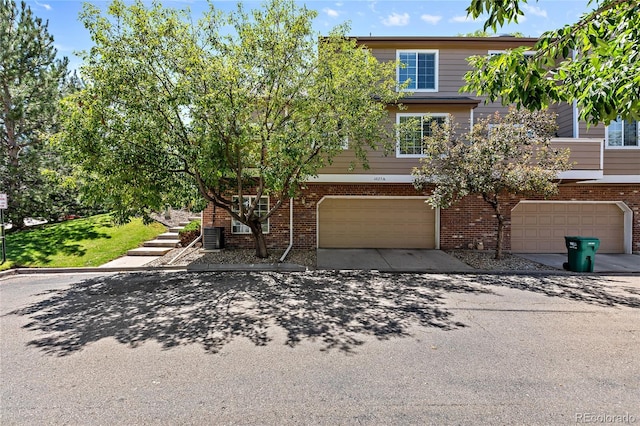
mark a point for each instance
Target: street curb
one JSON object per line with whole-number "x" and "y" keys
{"x": 257, "y": 267}
{"x": 90, "y": 269}
{"x": 289, "y": 267}
{"x": 487, "y": 272}
{"x": 7, "y": 273}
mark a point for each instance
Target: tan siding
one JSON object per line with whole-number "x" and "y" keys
{"x": 565, "y": 121}
{"x": 453, "y": 66}
{"x": 381, "y": 164}
{"x": 486, "y": 110}
{"x": 384, "y": 55}
{"x": 591, "y": 132}
{"x": 585, "y": 153}
{"x": 622, "y": 161}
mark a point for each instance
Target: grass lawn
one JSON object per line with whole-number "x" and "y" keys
{"x": 92, "y": 241}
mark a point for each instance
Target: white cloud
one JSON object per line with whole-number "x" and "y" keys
{"x": 331, "y": 12}
{"x": 45, "y": 5}
{"x": 431, "y": 19}
{"x": 396, "y": 20}
{"x": 533, "y": 10}
{"x": 463, "y": 19}
{"x": 339, "y": 4}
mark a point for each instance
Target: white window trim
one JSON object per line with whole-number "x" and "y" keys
{"x": 246, "y": 230}
{"x": 436, "y": 68}
{"x": 606, "y": 139}
{"x": 414, "y": 114}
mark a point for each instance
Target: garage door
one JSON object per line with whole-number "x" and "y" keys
{"x": 539, "y": 227}
{"x": 376, "y": 223}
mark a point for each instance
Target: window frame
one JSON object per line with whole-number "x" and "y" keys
{"x": 244, "y": 229}
{"x": 436, "y": 69}
{"x": 421, "y": 115}
{"x": 623, "y": 146}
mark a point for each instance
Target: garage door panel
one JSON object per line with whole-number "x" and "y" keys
{"x": 375, "y": 223}
{"x": 541, "y": 227}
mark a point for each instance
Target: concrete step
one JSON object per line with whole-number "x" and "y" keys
{"x": 192, "y": 218}
{"x": 149, "y": 251}
{"x": 183, "y": 224}
{"x": 169, "y": 236}
{"x": 162, "y": 243}
{"x": 176, "y": 228}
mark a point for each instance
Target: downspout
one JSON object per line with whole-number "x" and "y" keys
{"x": 284, "y": 256}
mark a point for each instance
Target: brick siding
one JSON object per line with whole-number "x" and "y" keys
{"x": 466, "y": 222}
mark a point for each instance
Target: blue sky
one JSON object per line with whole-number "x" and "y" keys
{"x": 367, "y": 17}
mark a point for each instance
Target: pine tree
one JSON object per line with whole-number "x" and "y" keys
{"x": 30, "y": 87}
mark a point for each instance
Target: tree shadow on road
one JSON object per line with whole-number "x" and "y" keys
{"x": 337, "y": 309}
{"x": 592, "y": 289}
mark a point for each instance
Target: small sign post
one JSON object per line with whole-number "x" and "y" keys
{"x": 3, "y": 207}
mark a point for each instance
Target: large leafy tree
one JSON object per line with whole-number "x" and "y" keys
{"x": 501, "y": 155}
{"x": 238, "y": 105}
{"x": 31, "y": 80}
{"x": 595, "y": 62}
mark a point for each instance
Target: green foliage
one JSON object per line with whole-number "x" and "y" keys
{"x": 189, "y": 233}
{"x": 194, "y": 225}
{"x": 30, "y": 82}
{"x": 82, "y": 242}
{"x": 594, "y": 62}
{"x": 485, "y": 33}
{"x": 252, "y": 103}
{"x": 509, "y": 154}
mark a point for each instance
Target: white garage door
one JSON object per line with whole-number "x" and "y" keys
{"x": 376, "y": 223}
{"x": 540, "y": 227}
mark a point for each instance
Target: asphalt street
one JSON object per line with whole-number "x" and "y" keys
{"x": 319, "y": 348}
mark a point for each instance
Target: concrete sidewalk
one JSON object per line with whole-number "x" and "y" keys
{"x": 129, "y": 261}
{"x": 390, "y": 260}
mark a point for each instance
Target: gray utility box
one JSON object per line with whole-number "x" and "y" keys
{"x": 213, "y": 238}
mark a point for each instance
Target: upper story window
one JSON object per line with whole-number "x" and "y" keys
{"x": 411, "y": 144}
{"x": 420, "y": 68}
{"x": 623, "y": 134}
{"x": 261, "y": 209}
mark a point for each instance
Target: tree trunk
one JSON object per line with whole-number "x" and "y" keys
{"x": 500, "y": 235}
{"x": 258, "y": 236}
{"x": 492, "y": 199}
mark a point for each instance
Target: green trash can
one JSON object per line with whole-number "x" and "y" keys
{"x": 582, "y": 253}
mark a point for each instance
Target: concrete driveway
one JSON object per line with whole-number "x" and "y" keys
{"x": 389, "y": 260}
{"x": 604, "y": 262}
{"x": 402, "y": 260}
{"x": 319, "y": 348}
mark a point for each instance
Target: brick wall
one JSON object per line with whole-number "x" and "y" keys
{"x": 463, "y": 223}
{"x": 472, "y": 218}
